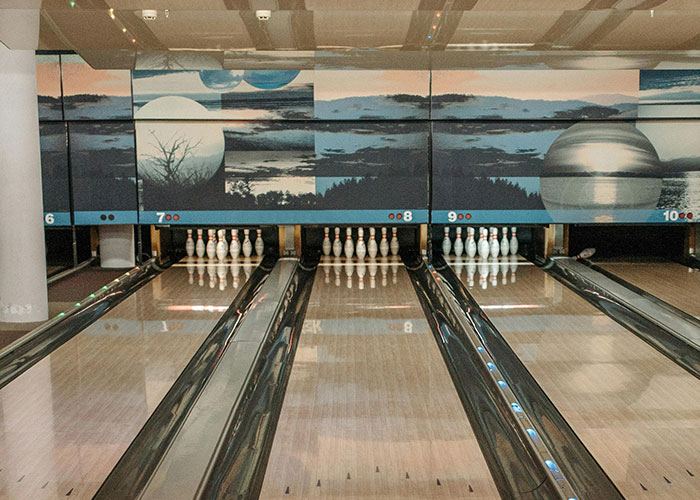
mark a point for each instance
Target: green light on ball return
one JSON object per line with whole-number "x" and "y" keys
{"x": 92, "y": 295}
{"x": 61, "y": 314}
{"x": 72, "y": 4}
{"x": 105, "y": 287}
{"x": 77, "y": 304}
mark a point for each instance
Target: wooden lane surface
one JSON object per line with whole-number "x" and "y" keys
{"x": 65, "y": 422}
{"x": 636, "y": 411}
{"x": 671, "y": 282}
{"x": 370, "y": 410}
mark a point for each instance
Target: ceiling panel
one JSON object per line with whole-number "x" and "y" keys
{"x": 201, "y": 30}
{"x": 503, "y": 28}
{"x": 361, "y": 29}
{"x": 666, "y": 30}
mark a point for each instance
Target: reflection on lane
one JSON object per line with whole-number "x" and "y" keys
{"x": 66, "y": 421}
{"x": 370, "y": 409}
{"x": 637, "y": 412}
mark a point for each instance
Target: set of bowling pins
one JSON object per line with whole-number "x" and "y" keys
{"x": 373, "y": 267}
{"x": 485, "y": 247}
{"x": 488, "y": 270}
{"x": 221, "y": 248}
{"x": 360, "y": 248}
{"x": 217, "y": 271}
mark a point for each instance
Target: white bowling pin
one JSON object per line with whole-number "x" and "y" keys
{"x": 326, "y": 246}
{"x": 384, "y": 244}
{"x": 372, "y": 244}
{"x": 349, "y": 247}
{"x": 494, "y": 247}
{"x": 483, "y": 244}
{"x": 459, "y": 243}
{"x": 471, "y": 244}
{"x": 211, "y": 244}
{"x": 221, "y": 249}
{"x": 189, "y": 244}
{"x": 505, "y": 247}
{"x": 235, "y": 247}
{"x": 394, "y": 243}
{"x": 247, "y": 246}
{"x": 200, "y": 247}
{"x": 513, "y": 241}
{"x": 259, "y": 243}
{"x": 337, "y": 244}
{"x": 361, "y": 248}
{"x": 446, "y": 243}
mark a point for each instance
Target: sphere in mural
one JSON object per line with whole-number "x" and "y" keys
{"x": 601, "y": 166}
{"x": 178, "y": 153}
{"x": 269, "y": 79}
{"x": 221, "y": 80}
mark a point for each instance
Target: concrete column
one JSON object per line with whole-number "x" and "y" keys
{"x": 117, "y": 246}
{"x": 23, "y": 294}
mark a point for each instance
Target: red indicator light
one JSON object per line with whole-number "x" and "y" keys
{"x": 168, "y": 217}
{"x": 391, "y": 216}
{"x": 690, "y": 215}
{"x": 398, "y": 216}
{"x": 468, "y": 216}
{"x": 681, "y": 215}
{"x": 176, "y": 217}
{"x": 460, "y": 216}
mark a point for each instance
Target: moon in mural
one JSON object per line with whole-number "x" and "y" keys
{"x": 178, "y": 153}
{"x": 221, "y": 80}
{"x": 601, "y": 166}
{"x": 269, "y": 79}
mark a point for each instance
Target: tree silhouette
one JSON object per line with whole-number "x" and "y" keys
{"x": 166, "y": 167}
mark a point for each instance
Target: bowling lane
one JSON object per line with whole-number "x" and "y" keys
{"x": 65, "y": 422}
{"x": 370, "y": 410}
{"x": 636, "y": 411}
{"x": 671, "y": 282}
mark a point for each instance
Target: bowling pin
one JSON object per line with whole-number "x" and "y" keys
{"x": 247, "y": 246}
{"x": 221, "y": 249}
{"x": 372, "y": 244}
{"x": 349, "y": 247}
{"x": 235, "y": 247}
{"x": 471, "y": 244}
{"x": 337, "y": 245}
{"x": 361, "y": 249}
{"x": 513, "y": 241}
{"x": 394, "y": 244}
{"x": 446, "y": 243}
{"x": 483, "y": 244}
{"x": 384, "y": 244}
{"x": 189, "y": 244}
{"x": 459, "y": 243}
{"x": 505, "y": 246}
{"x": 200, "y": 247}
{"x": 494, "y": 247}
{"x": 211, "y": 245}
{"x": 326, "y": 246}
{"x": 259, "y": 243}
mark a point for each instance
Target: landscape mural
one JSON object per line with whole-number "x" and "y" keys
{"x": 669, "y": 93}
{"x": 48, "y": 87}
{"x": 54, "y": 167}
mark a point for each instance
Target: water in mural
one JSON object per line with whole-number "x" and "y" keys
{"x": 54, "y": 167}
{"x": 669, "y": 94}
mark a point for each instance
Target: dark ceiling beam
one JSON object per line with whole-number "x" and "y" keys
{"x": 691, "y": 44}
{"x": 422, "y": 20}
{"x": 613, "y": 20}
{"x": 302, "y": 21}
{"x": 566, "y": 24}
{"x": 449, "y": 22}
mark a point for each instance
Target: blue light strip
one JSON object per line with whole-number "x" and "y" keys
{"x": 474, "y": 217}
{"x": 106, "y": 217}
{"x": 52, "y": 219}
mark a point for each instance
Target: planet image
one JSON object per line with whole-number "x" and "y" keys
{"x": 601, "y": 166}
{"x": 269, "y": 79}
{"x": 176, "y": 153}
{"x": 221, "y": 80}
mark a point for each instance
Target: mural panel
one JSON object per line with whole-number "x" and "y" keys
{"x": 54, "y": 174}
{"x": 669, "y": 94}
{"x": 48, "y": 85}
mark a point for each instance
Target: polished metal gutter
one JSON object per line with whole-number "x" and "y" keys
{"x": 29, "y": 349}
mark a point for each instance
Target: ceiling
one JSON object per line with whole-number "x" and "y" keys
{"x": 397, "y": 33}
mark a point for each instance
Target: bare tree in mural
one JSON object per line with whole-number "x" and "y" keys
{"x": 166, "y": 167}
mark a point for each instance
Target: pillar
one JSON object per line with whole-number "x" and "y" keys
{"x": 23, "y": 292}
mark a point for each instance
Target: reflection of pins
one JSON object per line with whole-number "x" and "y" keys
{"x": 384, "y": 267}
{"x": 471, "y": 244}
{"x": 337, "y": 244}
{"x": 211, "y": 271}
{"x": 221, "y": 248}
{"x": 189, "y": 244}
{"x": 211, "y": 244}
{"x": 259, "y": 243}
{"x": 190, "y": 269}
{"x": 513, "y": 267}
{"x": 221, "y": 272}
{"x": 505, "y": 246}
{"x": 494, "y": 271}
{"x": 247, "y": 267}
{"x": 372, "y": 273}
{"x": 394, "y": 271}
{"x": 349, "y": 247}
{"x": 459, "y": 243}
{"x": 348, "y": 272}
{"x": 361, "y": 271}
{"x": 504, "y": 269}
{"x": 247, "y": 246}
{"x": 326, "y": 246}
{"x": 200, "y": 247}
{"x": 483, "y": 273}
{"x": 337, "y": 268}
{"x": 394, "y": 244}
{"x": 384, "y": 244}
{"x": 327, "y": 274}
{"x": 235, "y": 247}
{"x": 459, "y": 266}
{"x": 200, "y": 270}
{"x": 372, "y": 244}
{"x": 471, "y": 270}
{"x": 446, "y": 243}
{"x": 235, "y": 272}
{"x": 361, "y": 249}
